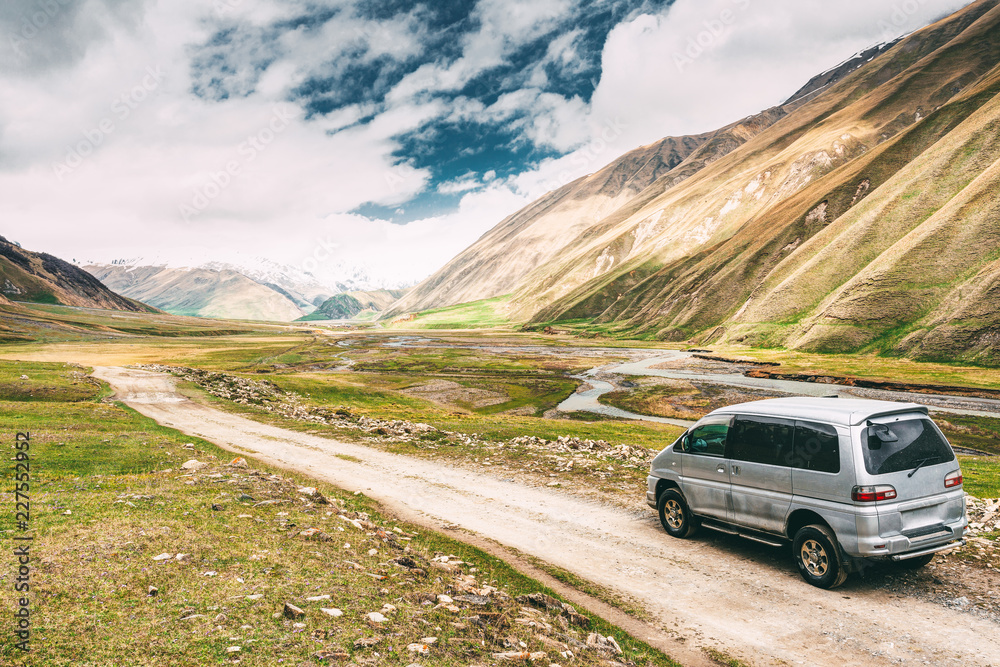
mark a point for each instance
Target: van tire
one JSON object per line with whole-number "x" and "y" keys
{"x": 818, "y": 557}
{"x": 675, "y": 517}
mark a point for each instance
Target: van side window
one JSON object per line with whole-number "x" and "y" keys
{"x": 761, "y": 439}
{"x": 708, "y": 437}
{"x": 817, "y": 447}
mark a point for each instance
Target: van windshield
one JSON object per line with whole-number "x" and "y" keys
{"x": 904, "y": 446}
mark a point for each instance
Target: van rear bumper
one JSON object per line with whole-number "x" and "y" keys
{"x": 930, "y": 550}
{"x": 872, "y": 545}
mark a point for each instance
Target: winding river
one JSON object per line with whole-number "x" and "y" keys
{"x": 588, "y": 400}
{"x": 643, "y": 363}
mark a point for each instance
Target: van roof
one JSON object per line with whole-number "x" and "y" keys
{"x": 845, "y": 411}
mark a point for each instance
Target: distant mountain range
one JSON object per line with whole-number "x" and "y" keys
{"x": 860, "y": 215}
{"x": 261, "y": 290}
{"x": 35, "y": 277}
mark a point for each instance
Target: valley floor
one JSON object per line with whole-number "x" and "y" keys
{"x": 708, "y": 592}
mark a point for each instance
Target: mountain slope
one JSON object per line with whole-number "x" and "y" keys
{"x": 842, "y": 263}
{"x": 349, "y": 305}
{"x": 41, "y": 278}
{"x": 220, "y": 293}
{"x": 499, "y": 261}
{"x": 534, "y": 235}
{"x": 858, "y": 216}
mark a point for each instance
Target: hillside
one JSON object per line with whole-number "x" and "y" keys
{"x": 33, "y": 277}
{"x": 861, "y": 215}
{"x": 350, "y": 305}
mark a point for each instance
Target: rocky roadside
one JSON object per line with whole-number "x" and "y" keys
{"x": 268, "y": 396}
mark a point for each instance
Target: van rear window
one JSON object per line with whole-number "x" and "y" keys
{"x": 907, "y": 444}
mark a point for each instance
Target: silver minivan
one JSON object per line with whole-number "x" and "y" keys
{"x": 845, "y": 480}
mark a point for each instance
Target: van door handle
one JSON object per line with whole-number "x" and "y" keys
{"x": 736, "y": 470}
{"x": 721, "y": 468}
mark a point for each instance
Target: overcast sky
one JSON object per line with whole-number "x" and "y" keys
{"x": 326, "y": 134}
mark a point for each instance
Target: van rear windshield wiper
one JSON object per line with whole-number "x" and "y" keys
{"x": 921, "y": 465}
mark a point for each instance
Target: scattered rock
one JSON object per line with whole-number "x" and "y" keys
{"x": 152, "y": 591}
{"x": 163, "y": 557}
{"x": 217, "y": 508}
{"x": 541, "y": 601}
{"x": 479, "y": 600}
{"x": 984, "y": 515}
{"x": 420, "y": 649}
{"x": 233, "y": 649}
{"x": 314, "y": 495}
{"x": 255, "y": 596}
{"x": 239, "y": 462}
{"x": 291, "y": 611}
{"x": 315, "y": 534}
{"x": 318, "y": 598}
{"x": 193, "y": 464}
{"x": 367, "y": 642}
{"x": 605, "y": 644}
{"x": 332, "y": 612}
{"x": 332, "y": 656}
{"x": 376, "y": 617}
{"x": 520, "y": 655}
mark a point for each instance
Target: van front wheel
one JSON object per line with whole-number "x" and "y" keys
{"x": 818, "y": 557}
{"x": 675, "y": 516}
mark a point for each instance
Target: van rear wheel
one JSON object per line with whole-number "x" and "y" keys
{"x": 675, "y": 516}
{"x": 818, "y": 557}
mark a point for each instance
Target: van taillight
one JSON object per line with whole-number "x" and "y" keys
{"x": 871, "y": 494}
{"x": 953, "y": 479}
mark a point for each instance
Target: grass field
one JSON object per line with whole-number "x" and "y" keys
{"x": 104, "y": 507}
{"x": 27, "y": 322}
{"x": 485, "y": 314}
{"x": 108, "y": 497}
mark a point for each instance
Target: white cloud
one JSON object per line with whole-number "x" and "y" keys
{"x": 295, "y": 194}
{"x": 503, "y": 26}
{"x": 705, "y": 63}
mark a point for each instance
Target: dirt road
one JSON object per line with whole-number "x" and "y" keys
{"x": 712, "y": 591}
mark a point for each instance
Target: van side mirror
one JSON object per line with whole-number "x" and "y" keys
{"x": 685, "y": 443}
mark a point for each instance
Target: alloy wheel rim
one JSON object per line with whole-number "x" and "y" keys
{"x": 674, "y": 514}
{"x": 815, "y": 558}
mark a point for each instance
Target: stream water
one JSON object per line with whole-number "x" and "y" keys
{"x": 643, "y": 362}
{"x": 588, "y": 401}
